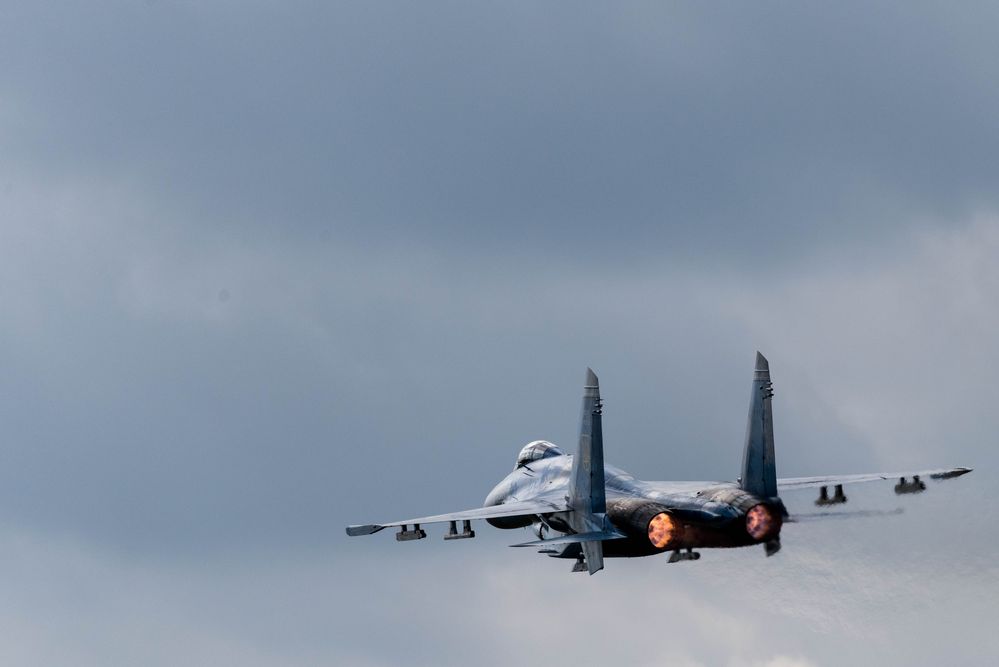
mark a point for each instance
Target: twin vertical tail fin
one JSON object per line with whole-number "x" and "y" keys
{"x": 587, "y": 492}
{"x": 759, "y": 469}
{"x": 587, "y": 483}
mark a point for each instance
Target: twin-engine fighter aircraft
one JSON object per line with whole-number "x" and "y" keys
{"x": 600, "y": 511}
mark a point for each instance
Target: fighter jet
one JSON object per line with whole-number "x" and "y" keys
{"x": 584, "y": 510}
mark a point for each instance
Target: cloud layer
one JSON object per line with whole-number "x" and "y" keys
{"x": 265, "y": 271}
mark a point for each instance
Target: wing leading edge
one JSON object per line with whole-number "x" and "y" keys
{"x": 523, "y": 508}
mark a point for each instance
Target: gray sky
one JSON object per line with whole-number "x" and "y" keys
{"x": 270, "y": 268}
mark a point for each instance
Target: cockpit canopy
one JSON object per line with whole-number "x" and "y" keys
{"x": 539, "y": 449}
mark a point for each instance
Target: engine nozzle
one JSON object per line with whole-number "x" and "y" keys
{"x": 762, "y": 522}
{"x": 662, "y": 530}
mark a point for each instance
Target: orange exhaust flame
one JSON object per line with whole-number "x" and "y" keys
{"x": 661, "y": 530}
{"x": 760, "y": 522}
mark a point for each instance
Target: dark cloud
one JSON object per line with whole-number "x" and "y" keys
{"x": 652, "y": 131}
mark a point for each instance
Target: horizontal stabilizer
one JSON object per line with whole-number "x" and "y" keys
{"x": 853, "y": 514}
{"x": 597, "y": 536}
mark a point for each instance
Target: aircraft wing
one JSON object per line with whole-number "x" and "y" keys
{"x": 791, "y": 483}
{"x": 521, "y": 508}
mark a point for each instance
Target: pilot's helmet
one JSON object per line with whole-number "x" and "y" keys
{"x": 539, "y": 449}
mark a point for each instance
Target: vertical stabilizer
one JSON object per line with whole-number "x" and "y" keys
{"x": 587, "y": 494}
{"x": 587, "y": 483}
{"x": 759, "y": 469}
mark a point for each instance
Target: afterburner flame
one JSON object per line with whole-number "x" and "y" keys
{"x": 760, "y": 522}
{"x": 661, "y": 530}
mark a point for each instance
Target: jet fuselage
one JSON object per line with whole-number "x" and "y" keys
{"x": 721, "y": 515}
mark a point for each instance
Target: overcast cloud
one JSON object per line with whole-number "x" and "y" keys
{"x": 267, "y": 269}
